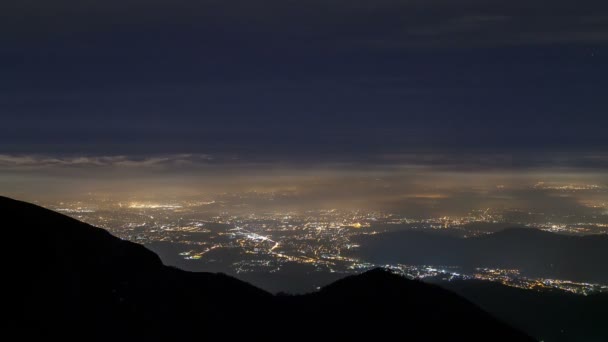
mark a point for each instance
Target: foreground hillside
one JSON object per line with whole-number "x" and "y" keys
{"x": 546, "y": 315}
{"x": 71, "y": 281}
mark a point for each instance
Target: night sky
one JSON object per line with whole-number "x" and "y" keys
{"x": 292, "y": 80}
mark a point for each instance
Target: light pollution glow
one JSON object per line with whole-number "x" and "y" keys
{"x": 398, "y": 187}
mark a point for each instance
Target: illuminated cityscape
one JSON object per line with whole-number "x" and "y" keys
{"x": 221, "y": 235}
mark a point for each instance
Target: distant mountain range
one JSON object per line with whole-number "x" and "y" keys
{"x": 67, "y": 280}
{"x": 534, "y": 252}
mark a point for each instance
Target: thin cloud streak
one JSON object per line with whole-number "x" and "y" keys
{"x": 440, "y": 162}
{"x": 44, "y": 162}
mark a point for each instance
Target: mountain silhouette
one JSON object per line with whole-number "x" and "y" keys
{"x": 546, "y": 315}
{"x": 534, "y": 252}
{"x": 72, "y": 281}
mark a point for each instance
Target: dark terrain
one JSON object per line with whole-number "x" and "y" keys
{"x": 70, "y": 281}
{"x": 547, "y": 315}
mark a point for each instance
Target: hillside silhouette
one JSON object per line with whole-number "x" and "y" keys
{"x": 547, "y": 315}
{"x": 534, "y": 252}
{"x": 72, "y": 281}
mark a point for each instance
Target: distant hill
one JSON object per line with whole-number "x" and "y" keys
{"x": 533, "y": 251}
{"x": 486, "y": 227}
{"x": 71, "y": 281}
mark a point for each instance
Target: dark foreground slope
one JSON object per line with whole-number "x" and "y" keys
{"x": 69, "y": 280}
{"x": 546, "y": 315}
{"x": 534, "y": 252}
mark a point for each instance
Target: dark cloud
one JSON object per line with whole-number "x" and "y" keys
{"x": 302, "y": 78}
{"x": 348, "y": 22}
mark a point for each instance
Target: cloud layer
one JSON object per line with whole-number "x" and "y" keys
{"x": 41, "y": 162}
{"x": 311, "y": 77}
{"x": 388, "y": 23}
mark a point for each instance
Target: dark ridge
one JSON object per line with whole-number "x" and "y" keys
{"x": 70, "y": 281}
{"x": 546, "y": 315}
{"x": 521, "y": 231}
